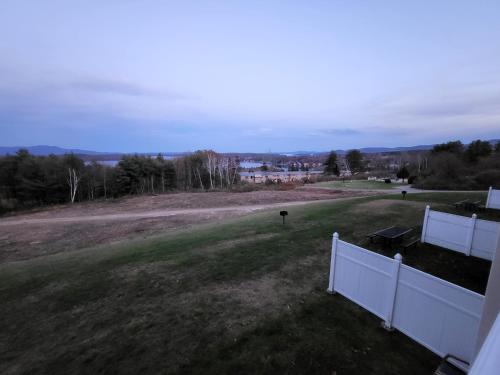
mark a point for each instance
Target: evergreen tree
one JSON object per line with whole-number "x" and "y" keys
{"x": 478, "y": 149}
{"x": 331, "y": 166}
{"x": 403, "y": 173}
{"x": 355, "y": 160}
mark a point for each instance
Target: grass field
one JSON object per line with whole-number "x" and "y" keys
{"x": 245, "y": 296}
{"x": 357, "y": 184}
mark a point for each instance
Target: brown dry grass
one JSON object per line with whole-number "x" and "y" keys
{"x": 245, "y": 296}
{"x": 29, "y": 240}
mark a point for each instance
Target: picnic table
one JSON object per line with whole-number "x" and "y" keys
{"x": 469, "y": 205}
{"x": 461, "y": 203}
{"x": 391, "y": 234}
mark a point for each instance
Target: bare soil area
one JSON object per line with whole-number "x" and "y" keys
{"x": 135, "y": 204}
{"x": 69, "y": 227}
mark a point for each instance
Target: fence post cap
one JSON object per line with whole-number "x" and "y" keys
{"x": 428, "y": 207}
{"x": 398, "y": 257}
{"x": 474, "y": 216}
{"x": 335, "y": 235}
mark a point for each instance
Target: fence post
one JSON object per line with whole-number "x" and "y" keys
{"x": 424, "y": 225}
{"x": 335, "y": 240}
{"x": 470, "y": 234}
{"x": 392, "y": 292}
{"x": 488, "y": 198}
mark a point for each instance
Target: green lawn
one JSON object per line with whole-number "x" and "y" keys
{"x": 246, "y": 296}
{"x": 356, "y": 184}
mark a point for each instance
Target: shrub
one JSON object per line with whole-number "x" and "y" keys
{"x": 269, "y": 181}
{"x": 485, "y": 179}
{"x": 434, "y": 182}
{"x": 8, "y": 204}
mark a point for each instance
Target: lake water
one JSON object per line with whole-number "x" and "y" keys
{"x": 110, "y": 163}
{"x": 113, "y": 163}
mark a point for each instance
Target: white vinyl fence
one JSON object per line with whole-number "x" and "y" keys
{"x": 487, "y": 361}
{"x": 493, "y": 200}
{"x": 467, "y": 235}
{"x": 439, "y": 315}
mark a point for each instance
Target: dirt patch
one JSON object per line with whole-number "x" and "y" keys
{"x": 385, "y": 206}
{"x": 21, "y": 242}
{"x": 140, "y": 204}
{"x": 67, "y": 228}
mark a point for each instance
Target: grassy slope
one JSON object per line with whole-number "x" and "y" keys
{"x": 241, "y": 297}
{"x": 356, "y": 184}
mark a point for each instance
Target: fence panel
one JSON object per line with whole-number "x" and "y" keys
{"x": 363, "y": 276}
{"x": 469, "y": 236}
{"x": 485, "y": 239}
{"x": 493, "y": 200}
{"x": 447, "y": 230}
{"x": 439, "y": 315}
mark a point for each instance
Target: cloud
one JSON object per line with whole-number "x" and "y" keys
{"x": 111, "y": 86}
{"x": 38, "y": 98}
{"x": 445, "y": 102}
{"x": 452, "y": 106}
{"x": 362, "y": 131}
{"x": 260, "y": 131}
{"x": 460, "y": 111}
{"x": 343, "y": 132}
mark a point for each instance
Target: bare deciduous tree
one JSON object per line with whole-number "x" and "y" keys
{"x": 73, "y": 180}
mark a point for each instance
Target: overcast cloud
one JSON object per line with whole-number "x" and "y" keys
{"x": 256, "y": 76}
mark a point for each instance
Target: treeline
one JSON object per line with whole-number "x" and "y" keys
{"x": 353, "y": 161}
{"x": 454, "y": 166}
{"x": 27, "y": 180}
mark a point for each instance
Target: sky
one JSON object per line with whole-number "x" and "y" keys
{"x": 247, "y": 76}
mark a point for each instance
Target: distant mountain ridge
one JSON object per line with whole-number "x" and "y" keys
{"x": 43, "y": 150}
{"x": 375, "y": 150}
{"x": 364, "y": 150}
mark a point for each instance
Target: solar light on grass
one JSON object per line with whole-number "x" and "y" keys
{"x": 283, "y": 214}
{"x": 404, "y": 194}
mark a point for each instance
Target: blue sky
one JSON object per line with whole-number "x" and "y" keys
{"x": 130, "y": 75}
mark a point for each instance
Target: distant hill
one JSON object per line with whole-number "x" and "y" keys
{"x": 47, "y": 150}
{"x": 374, "y": 150}
{"x": 364, "y": 150}
{"x": 43, "y": 150}
{"x": 371, "y": 150}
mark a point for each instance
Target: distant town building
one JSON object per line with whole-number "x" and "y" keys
{"x": 259, "y": 177}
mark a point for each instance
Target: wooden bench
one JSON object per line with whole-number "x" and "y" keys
{"x": 461, "y": 203}
{"x": 471, "y": 206}
{"x": 371, "y": 236}
{"x": 410, "y": 242}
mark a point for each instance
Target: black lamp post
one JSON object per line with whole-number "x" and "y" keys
{"x": 283, "y": 214}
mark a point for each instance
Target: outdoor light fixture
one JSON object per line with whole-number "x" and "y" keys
{"x": 283, "y": 213}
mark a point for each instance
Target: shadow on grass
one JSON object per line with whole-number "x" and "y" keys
{"x": 161, "y": 305}
{"x": 323, "y": 335}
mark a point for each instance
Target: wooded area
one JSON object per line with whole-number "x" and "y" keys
{"x": 454, "y": 166}
{"x": 27, "y": 180}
